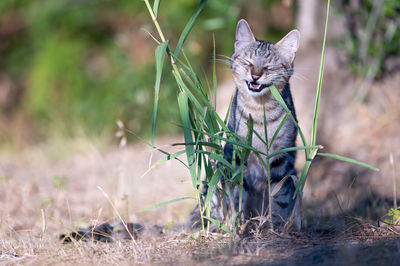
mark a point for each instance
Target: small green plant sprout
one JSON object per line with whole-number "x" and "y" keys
{"x": 394, "y": 215}
{"x": 59, "y": 182}
{"x": 46, "y": 201}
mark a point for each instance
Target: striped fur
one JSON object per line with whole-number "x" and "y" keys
{"x": 256, "y": 65}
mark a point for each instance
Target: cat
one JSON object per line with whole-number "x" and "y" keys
{"x": 256, "y": 65}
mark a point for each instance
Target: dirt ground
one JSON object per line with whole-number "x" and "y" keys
{"x": 52, "y": 188}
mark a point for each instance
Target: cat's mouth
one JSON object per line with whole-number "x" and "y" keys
{"x": 256, "y": 87}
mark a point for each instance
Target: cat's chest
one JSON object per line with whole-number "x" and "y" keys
{"x": 259, "y": 139}
{"x": 255, "y": 167}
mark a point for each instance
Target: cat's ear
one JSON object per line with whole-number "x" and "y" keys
{"x": 289, "y": 44}
{"x": 243, "y": 34}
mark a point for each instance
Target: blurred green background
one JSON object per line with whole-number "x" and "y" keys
{"x": 74, "y": 67}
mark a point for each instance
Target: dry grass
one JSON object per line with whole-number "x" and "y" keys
{"x": 178, "y": 249}
{"x": 43, "y": 193}
{"x": 41, "y": 197}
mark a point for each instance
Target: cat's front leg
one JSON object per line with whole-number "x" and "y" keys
{"x": 286, "y": 210}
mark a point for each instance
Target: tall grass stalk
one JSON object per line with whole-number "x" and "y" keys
{"x": 206, "y": 133}
{"x": 268, "y": 171}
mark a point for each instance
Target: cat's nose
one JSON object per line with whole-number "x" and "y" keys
{"x": 255, "y": 77}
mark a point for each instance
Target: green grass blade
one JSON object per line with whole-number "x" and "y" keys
{"x": 232, "y": 136}
{"x": 158, "y": 149}
{"x": 202, "y": 143}
{"x": 265, "y": 130}
{"x": 190, "y": 152}
{"x": 214, "y": 75}
{"x": 262, "y": 160}
{"x": 228, "y": 111}
{"x": 199, "y": 161}
{"x": 249, "y": 139}
{"x": 159, "y": 55}
{"x": 294, "y": 149}
{"x": 189, "y": 80}
{"x": 305, "y": 170}
{"x": 312, "y": 153}
{"x": 189, "y": 27}
{"x": 191, "y": 94}
{"x": 168, "y": 157}
{"x": 219, "y": 224}
{"x": 345, "y": 159}
{"x": 200, "y": 97}
{"x": 262, "y": 139}
{"x": 212, "y": 184}
{"x": 199, "y": 146}
{"x": 280, "y": 100}
{"x": 220, "y": 121}
{"x": 156, "y": 5}
{"x": 209, "y": 170}
{"x": 164, "y": 203}
{"x": 234, "y": 142}
{"x": 278, "y": 129}
{"x": 216, "y": 157}
{"x": 303, "y": 177}
{"x": 211, "y": 187}
{"x": 199, "y": 100}
{"x": 234, "y": 219}
{"x": 172, "y": 156}
{"x": 188, "y": 67}
{"x": 236, "y": 173}
{"x": 320, "y": 78}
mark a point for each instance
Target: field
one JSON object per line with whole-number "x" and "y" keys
{"x": 49, "y": 189}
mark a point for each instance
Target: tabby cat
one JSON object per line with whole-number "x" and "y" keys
{"x": 255, "y": 66}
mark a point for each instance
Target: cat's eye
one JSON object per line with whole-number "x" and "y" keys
{"x": 246, "y": 63}
{"x": 266, "y": 68}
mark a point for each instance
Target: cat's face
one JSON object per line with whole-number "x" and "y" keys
{"x": 258, "y": 64}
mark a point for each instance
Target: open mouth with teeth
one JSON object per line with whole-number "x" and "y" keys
{"x": 254, "y": 86}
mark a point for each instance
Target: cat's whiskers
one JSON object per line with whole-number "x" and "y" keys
{"x": 292, "y": 73}
{"x": 223, "y": 61}
{"x": 224, "y": 56}
{"x": 299, "y": 76}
